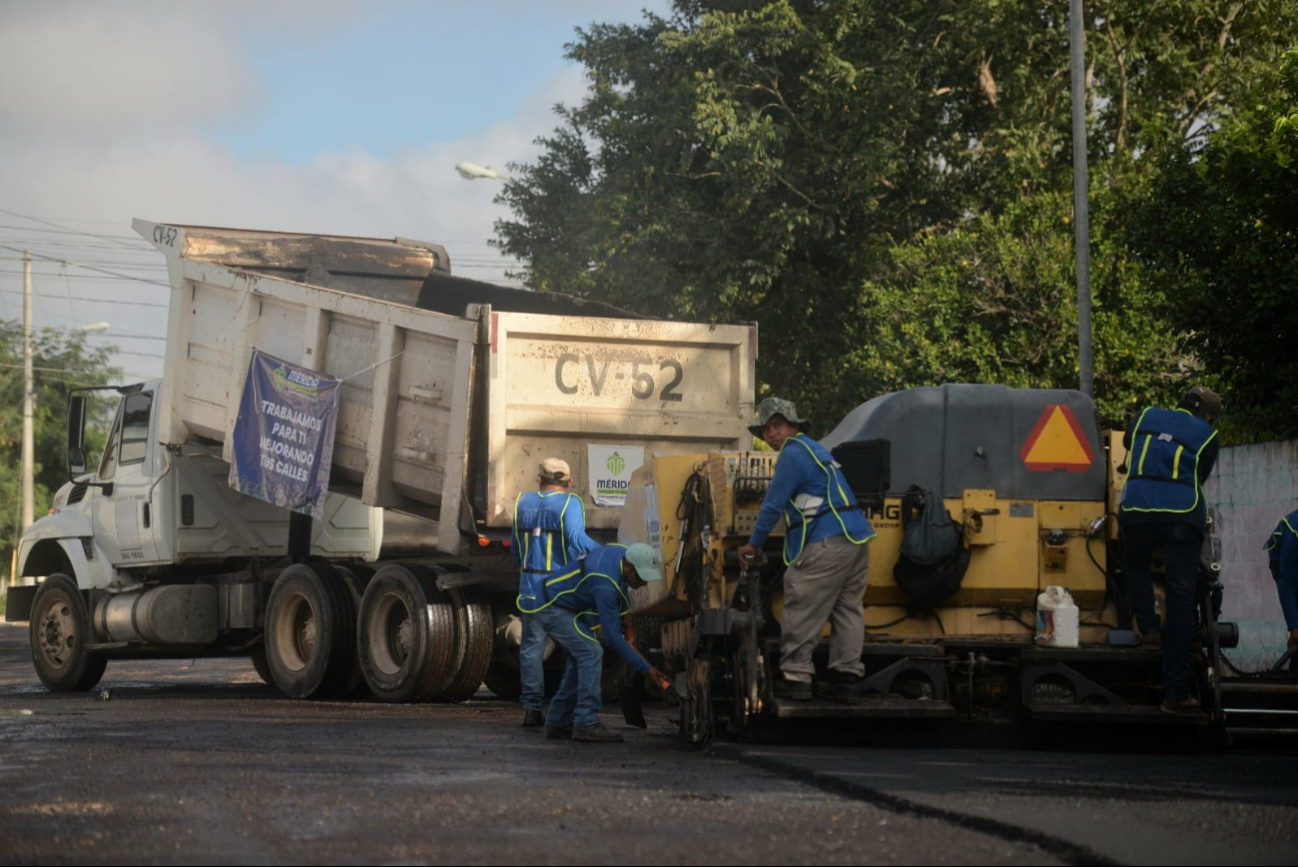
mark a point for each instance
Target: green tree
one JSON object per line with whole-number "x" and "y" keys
{"x": 1219, "y": 230}
{"x": 808, "y": 164}
{"x": 63, "y": 360}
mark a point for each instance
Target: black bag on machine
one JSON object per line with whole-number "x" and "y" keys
{"x": 933, "y": 561}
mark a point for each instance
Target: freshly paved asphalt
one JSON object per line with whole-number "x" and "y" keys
{"x": 198, "y": 762}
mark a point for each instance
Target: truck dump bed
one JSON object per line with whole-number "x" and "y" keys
{"x": 444, "y": 416}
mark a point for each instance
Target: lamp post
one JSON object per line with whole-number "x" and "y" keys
{"x": 29, "y": 396}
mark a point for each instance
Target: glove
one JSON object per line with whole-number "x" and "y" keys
{"x": 659, "y": 678}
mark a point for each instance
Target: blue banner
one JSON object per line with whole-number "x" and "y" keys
{"x": 284, "y": 435}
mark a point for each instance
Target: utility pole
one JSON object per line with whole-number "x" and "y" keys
{"x": 1081, "y": 207}
{"x": 29, "y": 399}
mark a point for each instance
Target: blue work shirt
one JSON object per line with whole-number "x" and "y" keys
{"x": 807, "y": 470}
{"x": 1282, "y": 552}
{"x": 599, "y": 600}
{"x": 549, "y": 538}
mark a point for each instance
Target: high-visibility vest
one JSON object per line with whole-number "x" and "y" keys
{"x": 1163, "y": 464}
{"x": 799, "y": 512}
{"x": 1272, "y": 546}
{"x": 540, "y": 547}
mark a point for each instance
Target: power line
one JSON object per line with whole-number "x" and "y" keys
{"x": 150, "y": 266}
{"x": 122, "y": 279}
{"x": 87, "y": 267}
{"x": 63, "y": 229}
{"x": 140, "y": 354}
{"x": 96, "y": 300}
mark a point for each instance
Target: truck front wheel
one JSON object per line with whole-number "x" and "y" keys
{"x": 59, "y": 634}
{"x": 310, "y": 631}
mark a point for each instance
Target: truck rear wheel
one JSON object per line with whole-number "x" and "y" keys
{"x": 310, "y": 631}
{"x": 354, "y": 685}
{"x": 259, "y": 665}
{"x": 406, "y": 634}
{"x": 502, "y": 676}
{"x": 59, "y": 633}
{"x": 474, "y": 639}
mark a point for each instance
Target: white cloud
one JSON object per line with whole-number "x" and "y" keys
{"x": 102, "y": 113}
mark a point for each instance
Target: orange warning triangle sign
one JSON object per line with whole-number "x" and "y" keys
{"x": 1057, "y": 443}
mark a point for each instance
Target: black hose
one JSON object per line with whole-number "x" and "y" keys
{"x": 1010, "y": 615}
{"x": 889, "y": 623}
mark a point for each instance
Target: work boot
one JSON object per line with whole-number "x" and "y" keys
{"x": 554, "y": 733}
{"x": 1180, "y": 705}
{"x": 532, "y": 719}
{"x": 842, "y": 687}
{"x": 595, "y": 734}
{"x": 794, "y": 690}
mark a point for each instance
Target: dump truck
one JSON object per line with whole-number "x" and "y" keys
{"x": 1029, "y": 485}
{"x": 450, "y": 393}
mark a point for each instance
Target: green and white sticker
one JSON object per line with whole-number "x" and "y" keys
{"x": 610, "y": 472}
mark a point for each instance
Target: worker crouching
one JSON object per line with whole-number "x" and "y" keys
{"x": 584, "y": 608}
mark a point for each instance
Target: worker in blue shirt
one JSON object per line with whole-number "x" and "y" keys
{"x": 548, "y": 542}
{"x": 826, "y": 554}
{"x": 1282, "y": 554}
{"x": 1170, "y": 454}
{"x": 585, "y": 608}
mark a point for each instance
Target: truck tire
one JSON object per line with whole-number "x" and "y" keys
{"x": 502, "y": 676}
{"x": 406, "y": 634}
{"x": 473, "y": 634}
{"x": 310, "y": 631}
{"x": 59, "y": 633}
{"x": 259, "y": 665}
{"x": 354, "y": 685}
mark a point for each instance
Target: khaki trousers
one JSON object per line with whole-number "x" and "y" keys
{"x": 826, "y": 582}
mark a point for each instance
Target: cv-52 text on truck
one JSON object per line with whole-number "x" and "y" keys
{"x": 451, "y": 393}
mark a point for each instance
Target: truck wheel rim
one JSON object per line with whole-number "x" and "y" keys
{"x": 58, "y": 636}
{"x": 391, "y": 634}
{"x": 295, "y": 633}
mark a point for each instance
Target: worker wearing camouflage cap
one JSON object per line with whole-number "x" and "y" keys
{"x": 586, "y": 610}
{"x": 1170, "y": 454}
{"x": 548, "y": 543}
{"x": 826, "y": 554}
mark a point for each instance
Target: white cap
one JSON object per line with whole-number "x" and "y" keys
{"x": 555, "y": 470}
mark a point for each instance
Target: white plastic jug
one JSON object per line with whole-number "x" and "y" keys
{"x": 1057, "y": 618}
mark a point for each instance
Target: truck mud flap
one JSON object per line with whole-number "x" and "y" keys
{"x": 18, "y": 608}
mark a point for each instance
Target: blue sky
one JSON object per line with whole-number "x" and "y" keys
{"x": 401, "y": 75}
{"x": 331, "y": 116}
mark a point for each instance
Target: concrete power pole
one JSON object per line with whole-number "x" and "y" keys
{"x": 29, "y": 399}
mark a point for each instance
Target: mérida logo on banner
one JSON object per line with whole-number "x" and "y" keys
{"x": 284, "y": 435}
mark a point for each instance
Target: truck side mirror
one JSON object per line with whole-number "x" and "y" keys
{"x": 76, "y": 435}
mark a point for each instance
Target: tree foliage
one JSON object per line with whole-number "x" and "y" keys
{"x": 62, "y": 360}
{"x": 1219, "y": 227}
{"x": 884, "y": 185}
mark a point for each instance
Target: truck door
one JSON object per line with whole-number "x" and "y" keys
{"x": 123, "y": 516}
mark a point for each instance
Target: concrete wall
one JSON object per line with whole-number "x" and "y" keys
{"x": 1252, "y": 487}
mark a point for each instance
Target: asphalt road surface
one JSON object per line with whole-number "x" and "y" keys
{"x": 197, "y": 762}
